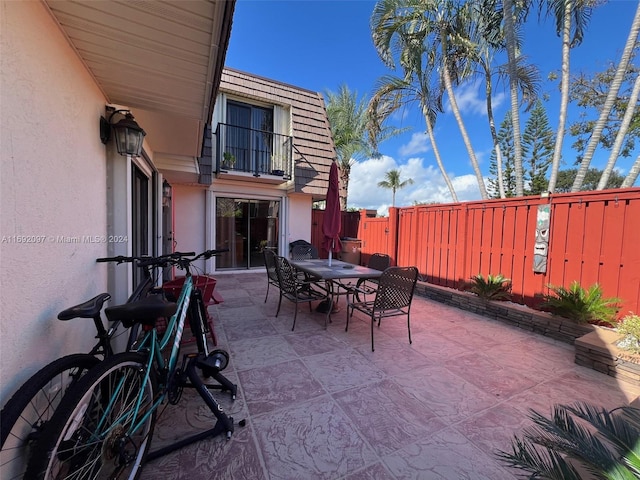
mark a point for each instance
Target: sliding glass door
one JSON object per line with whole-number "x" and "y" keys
{"x": 249, "y": 137}
{"x": 246, "y": 227}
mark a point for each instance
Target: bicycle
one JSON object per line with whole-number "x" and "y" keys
{"x": 26, "y": 413}
{"x": 103, "y": 427}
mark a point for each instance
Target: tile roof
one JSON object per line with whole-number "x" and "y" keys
{"x": 313, "y": 143}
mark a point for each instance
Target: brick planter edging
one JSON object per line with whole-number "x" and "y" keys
{"x": 598, "y": 350}
{"x": 520, "y": 316}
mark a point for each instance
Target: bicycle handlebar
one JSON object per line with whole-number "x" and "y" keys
{"x": 118, "y": 259}
{"x": 180, "y": 259}
{"x": 207, "y": 254}
{"x": 144, "y": 260}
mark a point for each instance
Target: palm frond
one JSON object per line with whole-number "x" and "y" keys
{"x": 540, "y": 462}
{"x": 604, "y": 443}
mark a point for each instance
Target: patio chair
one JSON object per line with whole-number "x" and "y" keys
{"x": 393, "y": 298}
{"x": 368, "y": 286}
{"x": 364, "y": 286}
{"x": 297, "y": 290}
{"x": 304, "y": 252}
{"x": 272, "y": 275}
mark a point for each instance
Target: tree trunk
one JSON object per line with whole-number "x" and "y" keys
{"x": 609, "y": 101}
{"x": 624, "y": 127}
{"x": 492, "y": 127}
{"x": 564, "y": 89}
{"x": 456, "y": 113}
{"x": 345, "y": 172}
{"x": 509, "y": 31}
{"x": 632, "y": 176}
{"x": 436, "y": 152}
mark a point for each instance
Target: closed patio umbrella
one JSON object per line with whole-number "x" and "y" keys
{"x": 332, "y": 221}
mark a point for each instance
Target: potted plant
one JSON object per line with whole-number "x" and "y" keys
{"x": 228, "y": 160}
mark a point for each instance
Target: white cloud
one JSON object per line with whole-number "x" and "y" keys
{"x": 471, "y": 99}
{"x": 428, "y": 186}
{"x": 419, "y": 143}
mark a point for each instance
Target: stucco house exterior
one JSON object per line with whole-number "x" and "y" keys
{"x": 271, "y": 150}
{"x": 229, "y": 159}
{"x": 67, "y": 198}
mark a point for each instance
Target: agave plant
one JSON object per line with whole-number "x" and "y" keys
{"x": 582, "y": 305}
{"x": 494, "y": 287}
{"x": 579, "y": 438}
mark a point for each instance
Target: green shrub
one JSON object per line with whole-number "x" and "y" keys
{"x": 630, "y": 328}
{"x": 585, "y": 306}
{"x": 492, "y": 288}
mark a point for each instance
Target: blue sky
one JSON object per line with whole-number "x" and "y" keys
{"x": 319, "y": 45}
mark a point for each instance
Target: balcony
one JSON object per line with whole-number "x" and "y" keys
{"x": 262, "y": 154}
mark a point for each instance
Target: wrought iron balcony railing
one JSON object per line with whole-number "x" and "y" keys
{"x": 258, "y": 152}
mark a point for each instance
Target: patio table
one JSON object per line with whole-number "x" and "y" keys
{"x": 333, "y": 274}
{"x": 337, "y": 271}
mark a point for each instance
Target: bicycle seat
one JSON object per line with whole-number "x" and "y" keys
{"x": 89, "y": 309}
{"x": 145, "y": 311}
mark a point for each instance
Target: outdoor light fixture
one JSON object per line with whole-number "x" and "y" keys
{"x": 128, "y": 133}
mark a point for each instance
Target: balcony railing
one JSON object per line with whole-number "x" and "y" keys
{"x": 258, "y": 152}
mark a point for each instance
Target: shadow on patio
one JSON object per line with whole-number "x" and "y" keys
{"x": 320, "y": 405}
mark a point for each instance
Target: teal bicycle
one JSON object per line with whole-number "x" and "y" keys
{"x": 104, "y": 424}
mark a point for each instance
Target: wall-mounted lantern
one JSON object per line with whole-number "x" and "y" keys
{"x": 129, "y": 135}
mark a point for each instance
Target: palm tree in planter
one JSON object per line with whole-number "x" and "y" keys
{"x": 494, "y": 287}
{"x": 582, "y": 305}
{"x": 579, "y": 441}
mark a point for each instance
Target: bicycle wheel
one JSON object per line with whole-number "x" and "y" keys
{"x": 27, "y": 412}
{"x": 103, "y": 427}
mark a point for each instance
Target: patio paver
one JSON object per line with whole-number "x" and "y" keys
{"x": 320, "y": 405}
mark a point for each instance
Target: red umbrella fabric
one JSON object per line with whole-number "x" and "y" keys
{"x": 332, "y": 221}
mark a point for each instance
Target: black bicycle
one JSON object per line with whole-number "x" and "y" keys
{"x": 24, "y": 416}
{"x": 104, "y": 425}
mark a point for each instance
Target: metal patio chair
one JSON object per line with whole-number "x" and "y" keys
{"x": 297, "y": 290}
{"x": 364, "y": 286}
{"x": 272, "y": 274}
{"x": 393, "y": 298}
{"x": 304, "y": 252}
{"x": 368, "y": 286}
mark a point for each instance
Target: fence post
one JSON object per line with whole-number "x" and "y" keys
{"x": 461, "y": 260}
{"x": 393, "y": 234}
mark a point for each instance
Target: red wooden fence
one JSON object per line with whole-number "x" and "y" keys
{"x": 594, "y": 238}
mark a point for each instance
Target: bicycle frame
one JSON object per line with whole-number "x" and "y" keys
{"x": 155, "y": 346}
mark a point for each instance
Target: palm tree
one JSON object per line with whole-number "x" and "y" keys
{"x": 348, "y": 120}
{"x": 609, "y": 101}
{"x": 485, "y": 38}
{"x": 510, "y": 15}
{"x": 604, "y": 443}
{"x": 393, "y": 183}
{"x": 398, "y": 26}
{"x": 571, "y": 19}
{"x": 624, "y": 128}
{"x": 393, "y": 92}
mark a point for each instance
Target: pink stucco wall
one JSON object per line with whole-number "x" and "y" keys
{"x": 52, "y": 193}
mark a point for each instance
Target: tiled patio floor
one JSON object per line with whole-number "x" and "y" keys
{"x": 320, "y": 405}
